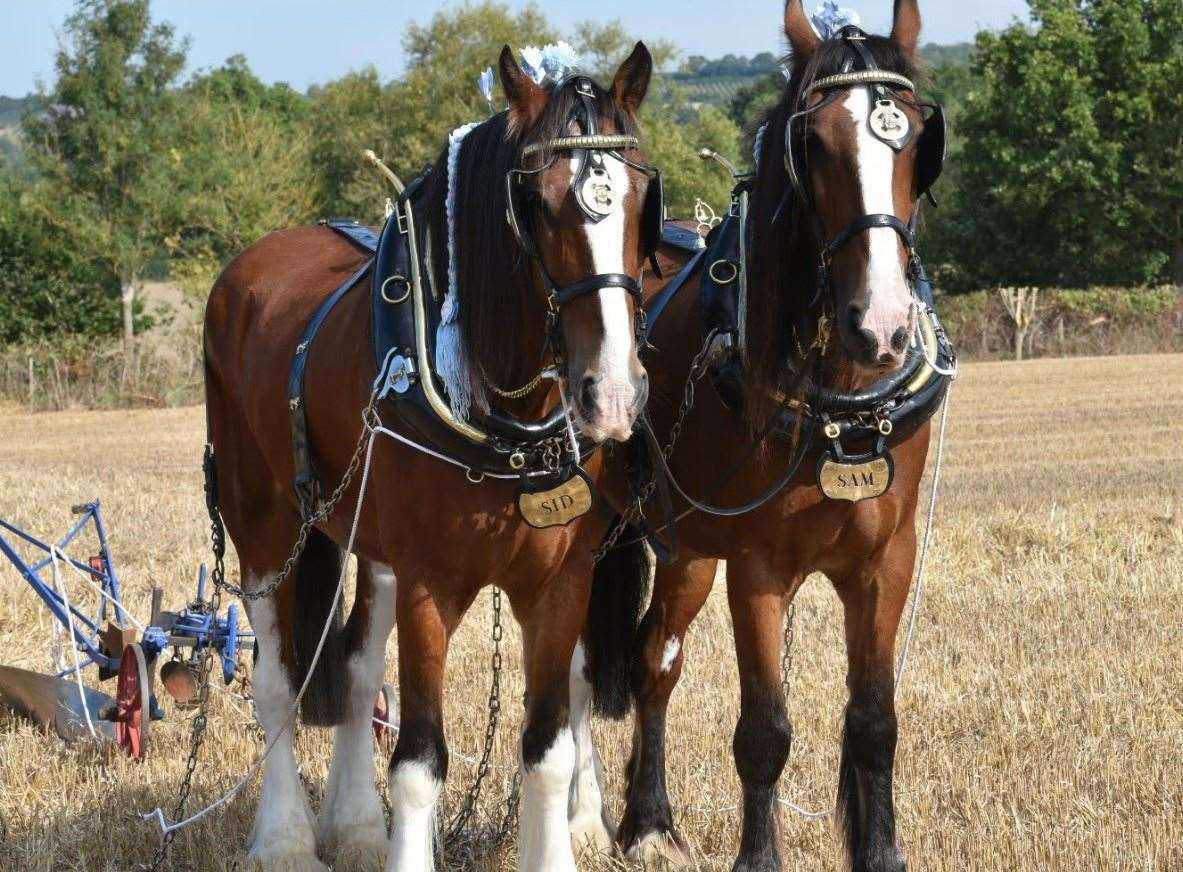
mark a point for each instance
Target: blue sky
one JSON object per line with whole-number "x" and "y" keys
{"x": 307, "y": 41}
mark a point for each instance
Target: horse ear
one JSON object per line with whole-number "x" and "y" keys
{"x": 632, "y": 79}
{"x": 803, "y": 39}
{"x": 905, "y": 31}
{"x": 527, "y": 101}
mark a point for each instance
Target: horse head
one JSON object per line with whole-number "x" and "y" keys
{"x": 860, "y": 151}
{"x": 587, "y": 209}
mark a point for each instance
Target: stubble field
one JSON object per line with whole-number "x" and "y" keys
{"x": 1041, "y": 724}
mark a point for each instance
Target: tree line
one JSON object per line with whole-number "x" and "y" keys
{"x": 1063, "y": 171}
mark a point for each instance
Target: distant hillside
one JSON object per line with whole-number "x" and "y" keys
{"x": 947, "y": 55}
{"x": 714, "y": 90}
{"x": 12, "y": 109}
{"x": 718, "y": 82}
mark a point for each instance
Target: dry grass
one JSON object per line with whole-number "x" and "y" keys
{"x": 1041, "y": 726}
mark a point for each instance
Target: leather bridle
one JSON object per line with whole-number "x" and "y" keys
{"x": 859, "y": 69}
{"x": 593, "y": 193}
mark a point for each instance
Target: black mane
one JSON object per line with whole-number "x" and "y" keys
{"x": 502, "y": 316}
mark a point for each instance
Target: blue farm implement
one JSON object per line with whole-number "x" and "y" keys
{"x": 111, "y": 639}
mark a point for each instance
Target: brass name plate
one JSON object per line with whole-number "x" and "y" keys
{"x": 855, "y": 481}
{"x": 558, "y": 506}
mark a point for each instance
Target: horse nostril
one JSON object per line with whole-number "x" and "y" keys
{"x": 587, "y": 392}
{"x": 899, "y": 340}
{"x": 854, "y": 318}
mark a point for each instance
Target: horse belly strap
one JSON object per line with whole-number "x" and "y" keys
{"x": 306, "y": 482}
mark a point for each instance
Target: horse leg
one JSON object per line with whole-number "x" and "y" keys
{"x": 587, "y": 818}
{"x": 352, "y": 823}
{"x": 284, "y": 835}
{"x": 679, "y": 591}
{"x": 419, "y": 764}
{"x": 873, "y": 599}
{"x": 550, "y": 630}
{"x": 763, "y": 734}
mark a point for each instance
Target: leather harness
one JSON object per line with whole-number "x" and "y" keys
{"x": 405, "y": 321}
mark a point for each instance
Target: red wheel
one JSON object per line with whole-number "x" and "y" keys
{"x": 383, "y": 712}
{"x": 132, "y": 698}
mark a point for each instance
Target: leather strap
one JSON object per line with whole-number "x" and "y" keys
{"x": 869, "y": 222}
{"x": 659, "y": 303}
{"x": 563, "y": 296}
{"x": 306, "y": 482}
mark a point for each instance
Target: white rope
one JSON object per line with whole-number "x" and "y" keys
{"x": 474, "y": 477}
{"x": 394, "y": 728}
{"x": 925, "y": 543}
{"x": 158, "y": 813}
{"x": 572, "y": 440}
{"x": 917, "y": 596}
{"x": 930, "y": 354}
{"x": 119, "y": 607}
{"x": 60, "y": 588}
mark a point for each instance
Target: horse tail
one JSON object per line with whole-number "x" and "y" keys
{"x": 319, "y": 567}
{"x": 619, "y": 586}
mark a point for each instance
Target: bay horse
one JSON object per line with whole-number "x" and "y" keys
{"x": 430, "y": 537}
{"x": 867, "y": 548}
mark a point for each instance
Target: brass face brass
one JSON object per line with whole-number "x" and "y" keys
{"x": 558, "y": 506}
{"x": 854, "y": 481}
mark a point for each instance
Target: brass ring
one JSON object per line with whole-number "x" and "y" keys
{"x": 517, "y": 460}
{"x": 833, "y": 431}
{"x": 885, "y": 426}
{"x": 724, "y": 281}
{"x": 406, "y": 293}
{"x": 474, "y": 479}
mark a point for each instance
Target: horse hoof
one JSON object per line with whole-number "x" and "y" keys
{"x": 360, "y": 855}
{"x": 591, "y": 834}
{"x": 881, "y": 860}
{"x": 662, "y": 845}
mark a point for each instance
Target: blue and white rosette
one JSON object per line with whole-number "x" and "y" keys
{"x": 829, "y": 18}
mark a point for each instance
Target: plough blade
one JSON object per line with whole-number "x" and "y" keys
{"x": 55, "y": 703}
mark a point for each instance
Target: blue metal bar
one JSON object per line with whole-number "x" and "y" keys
{"x": 112, "y": 577}
{"x": 53, "y": 600}
{"x": 44, "y": 546}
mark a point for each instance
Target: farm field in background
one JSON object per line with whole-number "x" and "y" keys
{"x": 1041, "y": 724}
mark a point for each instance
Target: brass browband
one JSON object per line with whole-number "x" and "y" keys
{"x": 859, "y": 77}
{"x": 567, "y": 143}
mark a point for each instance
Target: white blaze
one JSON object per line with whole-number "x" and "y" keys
{"x": 615, "y": 392}
{"x": 890, "y": 300}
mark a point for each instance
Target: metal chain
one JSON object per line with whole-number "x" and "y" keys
{"x": 201, "y": 720}
{"x": 636, "y": 510}
{"x": 517, "y": 394}
{"x": 786, "y": 654}
{"x": 370, "y": 420}
{"x": 468, "y": 806}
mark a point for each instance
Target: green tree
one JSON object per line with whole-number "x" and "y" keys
{"x": 105, "y": 146}
{"x": 753, "y": 100}
{"x": 407, "y": 121}
{"x": 246, "y": 155}
{"x": 49, "y": 284}
{"x": 1071, "y": 143}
